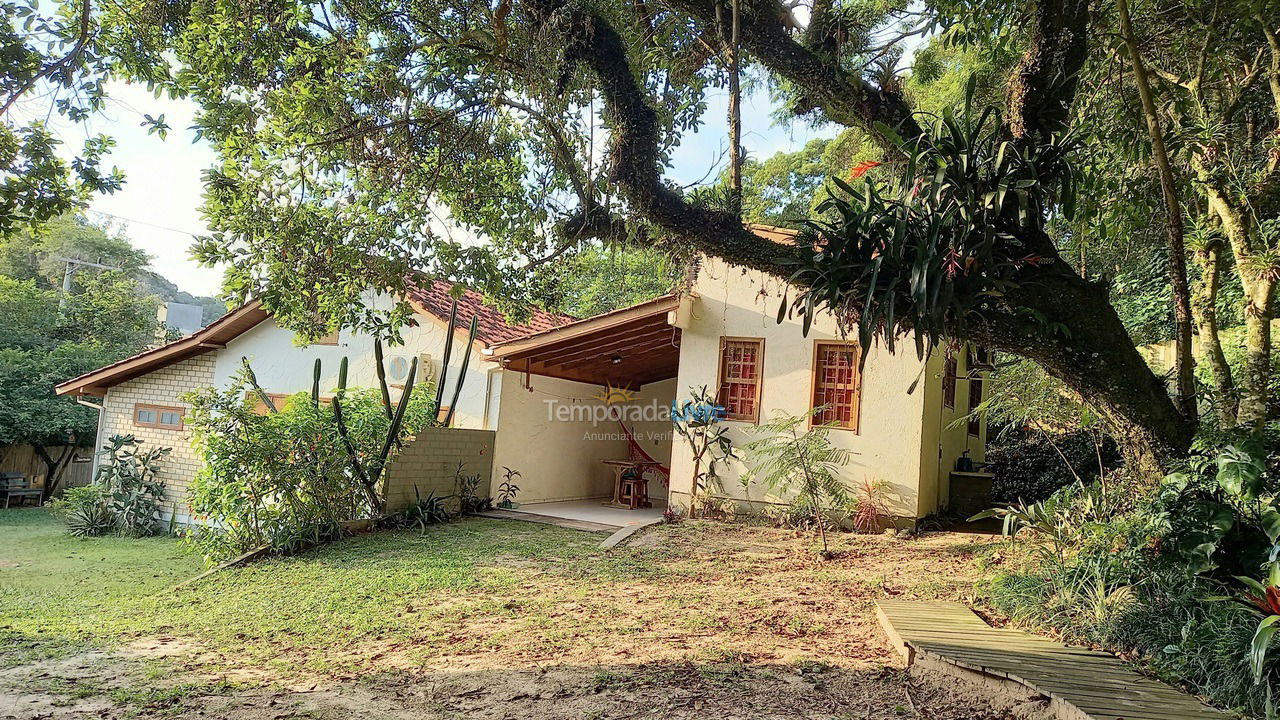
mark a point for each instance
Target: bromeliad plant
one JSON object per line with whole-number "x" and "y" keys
{"x": 1263, "y": 598}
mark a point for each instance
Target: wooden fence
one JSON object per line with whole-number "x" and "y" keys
{"x": 23, "y": 459}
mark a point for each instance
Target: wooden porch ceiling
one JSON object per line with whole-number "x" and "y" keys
{"x": 626, "y": 348}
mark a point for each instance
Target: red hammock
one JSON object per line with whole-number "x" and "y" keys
{"x": 635, "y": 453}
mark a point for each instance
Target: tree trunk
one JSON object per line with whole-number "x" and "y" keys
{"x": 1075, "y": 334}
{"x": 1205, "y": 306}
{"x": 54, "y": 468}
{"x": 1259, "y": 292}
{"x": 1183, "y": 366}
{"x": 1256, "y": 380}
{"x": 729, "y": 36}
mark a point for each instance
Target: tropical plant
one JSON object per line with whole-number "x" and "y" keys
{"x": 468, "y": 489}
{"x": 422, "y": 512}
{"x": 1264, "y": 598}
{"x": 284, "y": 478}
{"x": 870, "y": 511}
{"x": 803, "y": 462}
{"x": 507, "y": 489}
{"x": 128, "y": 477}
{"x": 86, "y": 511}
{"x": 698, "y": 421}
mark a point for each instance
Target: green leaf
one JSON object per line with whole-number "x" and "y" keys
{"x": 1261, "y": 643}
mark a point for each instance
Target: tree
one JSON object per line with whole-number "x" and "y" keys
{"x": 45, "y": 341}
{"x": 343, "y": 128}
{"x": 597, "y": 280}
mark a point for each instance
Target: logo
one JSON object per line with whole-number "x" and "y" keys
{"x": 611, "y": 395}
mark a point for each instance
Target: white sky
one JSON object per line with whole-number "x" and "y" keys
{"x": 158, "y": 207}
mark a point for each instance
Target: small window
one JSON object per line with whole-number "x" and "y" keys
{"x": 741, "y": 365}
{"x": 975, "y": 399}
{"x": 836, "y": 384}
{"x": 949, "y": 382}
{"x": 980, "y": 359}
{"x": 158, "y": 416}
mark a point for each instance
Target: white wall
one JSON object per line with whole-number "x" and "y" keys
{"x": 729, "y": 301}
{"x": 283, "y": 367}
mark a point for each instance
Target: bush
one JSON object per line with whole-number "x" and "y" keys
{"x": 1148, "y": 571}
{"x": 284, "y": 479}
{"x": 86, "y": 511}
{"x": 124, "y": 497}
{"x": 1027, "y": 467}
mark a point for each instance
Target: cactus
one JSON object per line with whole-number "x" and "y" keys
{"x": 253, "y": 382}
{"x": 382, "y": 376}
{"x": 370, "y": 492}
{"x": 315, "y": 386}
{"x": 444, "y": 360}
{"x": 462, "y": 374}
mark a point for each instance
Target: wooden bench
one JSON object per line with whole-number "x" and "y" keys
{"x": 18, "y": 485}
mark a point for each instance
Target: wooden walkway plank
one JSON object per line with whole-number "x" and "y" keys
{"x": 1094, "y": 684}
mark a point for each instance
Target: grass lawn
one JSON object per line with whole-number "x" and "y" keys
{"x": 489, "y": 613}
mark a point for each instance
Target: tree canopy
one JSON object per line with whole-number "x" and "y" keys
{"x": 352, "y": 134}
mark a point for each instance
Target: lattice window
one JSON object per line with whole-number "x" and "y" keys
{"x": 836, "y": 384}
{"x": 741, "y": 366}
{"x": 975, "y": 399}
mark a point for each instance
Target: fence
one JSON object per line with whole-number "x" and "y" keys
{"x": 23, "y": 459}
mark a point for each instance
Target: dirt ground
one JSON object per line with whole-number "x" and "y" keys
{"x": 756, "y": 627}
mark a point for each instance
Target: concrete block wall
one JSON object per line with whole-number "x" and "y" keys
{"x": 161, "y": 387}
{"x": 429, "y": 461}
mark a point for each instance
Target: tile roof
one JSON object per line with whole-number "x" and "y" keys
{"x": 492, "y": 327}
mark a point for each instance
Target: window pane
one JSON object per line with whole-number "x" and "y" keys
{"x": 170, "y": 418}
{"x": 146, "y": 416}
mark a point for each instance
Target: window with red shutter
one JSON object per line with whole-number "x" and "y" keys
{"x": 837, "y": 384}
{"x": 741, "y": 366}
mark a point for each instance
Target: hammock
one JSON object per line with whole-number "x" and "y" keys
{"x": 635, "y": 453}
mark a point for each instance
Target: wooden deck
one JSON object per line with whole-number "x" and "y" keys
{"x": 1085, "y": 683}
{"x": 549, "y": 520}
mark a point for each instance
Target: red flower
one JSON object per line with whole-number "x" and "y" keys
{"x": 1269, "y": 604}
{"x": 861, "y": 168}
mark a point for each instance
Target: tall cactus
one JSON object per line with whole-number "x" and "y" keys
{"x": 315, "y": 386}
{"x": 382, "y": 376}
{"x": 462, "y": 374}
{"x": 253, "y": 382}
{"x": 444, "y": 361}
{"x": 370, "y": 491}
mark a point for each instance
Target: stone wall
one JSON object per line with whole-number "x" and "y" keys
{"x": 429, "y": 463}
{"x": 161, "y": 387}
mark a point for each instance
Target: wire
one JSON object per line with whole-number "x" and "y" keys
{"x": 144, "y": 222}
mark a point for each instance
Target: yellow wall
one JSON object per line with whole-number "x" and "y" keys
{"x": 563, "y": 459}
{"x": 888, "y": 445}
{"x": 946, "y": 433}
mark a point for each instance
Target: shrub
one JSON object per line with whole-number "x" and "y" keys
{"x": 1028, "y": 467}
{"x": 128, "y": 477}
{"x": 284, "y": 479}
{"x": 86, "y": 511}
{"x": 1148, "y": 570}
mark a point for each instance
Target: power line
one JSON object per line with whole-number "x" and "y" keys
{"x": 144, "y": 222}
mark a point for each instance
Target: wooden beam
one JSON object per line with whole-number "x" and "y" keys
{"x": 646, "y": 344}
{"x": 657, "y": 307}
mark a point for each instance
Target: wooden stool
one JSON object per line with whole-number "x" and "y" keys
{"x": 634, "y": 491}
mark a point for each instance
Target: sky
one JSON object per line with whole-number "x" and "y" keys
{"x": 158, "y": 207}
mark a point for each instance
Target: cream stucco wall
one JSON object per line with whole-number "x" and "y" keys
{"x": 557, "y": 433}
{"x": 889, "y": 445}
{"x": 285, "y": 368}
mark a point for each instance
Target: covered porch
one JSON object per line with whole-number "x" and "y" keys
{"x": 584, "y": 414}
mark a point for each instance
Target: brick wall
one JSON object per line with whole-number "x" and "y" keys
{"x": 162, "y": 387}
{"x": 429, "y": 460}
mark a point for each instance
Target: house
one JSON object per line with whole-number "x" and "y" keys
{"x": 567, "y": 396}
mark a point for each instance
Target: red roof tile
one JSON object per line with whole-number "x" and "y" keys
{"x": 492, "y": 327}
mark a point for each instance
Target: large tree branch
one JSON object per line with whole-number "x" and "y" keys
{"x": 63, "y": 64}
{"x": 843, "y": 98}
{"x": 634, "y": 163}
{"x": 1044, "y": 82}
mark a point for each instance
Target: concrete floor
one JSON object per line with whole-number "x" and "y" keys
{"x": 596, "y": 511}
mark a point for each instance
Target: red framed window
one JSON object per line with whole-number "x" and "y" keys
{"x": 837, "y": 384}
{"x": 741, "y": 366}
